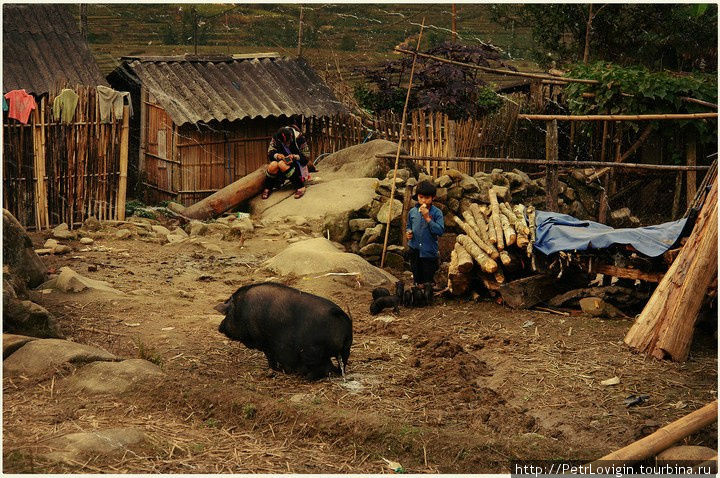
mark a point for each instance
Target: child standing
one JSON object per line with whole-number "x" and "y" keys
{"x": 425, "y": 225}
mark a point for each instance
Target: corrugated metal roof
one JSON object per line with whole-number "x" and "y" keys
{"x": 195, "y": 89}
{"x": 43, "y": 48}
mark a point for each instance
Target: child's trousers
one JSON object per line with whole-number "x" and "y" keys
{"x": 423, "y": 268}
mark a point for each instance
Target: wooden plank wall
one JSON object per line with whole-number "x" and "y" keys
{"x": 55, "y": 172}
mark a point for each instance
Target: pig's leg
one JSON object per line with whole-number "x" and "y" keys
{"x": 271, "y": 361}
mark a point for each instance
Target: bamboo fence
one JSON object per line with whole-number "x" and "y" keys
{"x": 55, "y": 172}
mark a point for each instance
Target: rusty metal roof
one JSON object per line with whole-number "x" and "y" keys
{"x": 43, "y": 49}
{"x": 195, "y": 89}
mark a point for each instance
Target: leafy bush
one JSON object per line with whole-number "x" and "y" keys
{"x": 488, "y": 101}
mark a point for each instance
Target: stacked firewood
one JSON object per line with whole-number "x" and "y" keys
{"x": 498, "y": 238}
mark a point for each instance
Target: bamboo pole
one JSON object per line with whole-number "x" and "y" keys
{"x": 699, "y": 102}
{"x": 690, "y": 154}
{"x": 397, "y": 155}
{"x": 662, "y": 439}
{"x": 643, "y": 136}
{"x": 543, "y": 162}
{"x": 122, "y": 186}
{"x": 649, "y": 117}
{"x": 551, "y": 170}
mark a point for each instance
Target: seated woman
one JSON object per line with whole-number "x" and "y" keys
{"x": 287, "y": 159}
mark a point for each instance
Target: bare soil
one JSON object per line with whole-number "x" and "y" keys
{"x": 457, "y": 387}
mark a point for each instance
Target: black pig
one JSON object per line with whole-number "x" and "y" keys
{"x": 380, "y": 292}
{"x": 298, "y": 332}
{"x": 383, "y": 303}
{"x": 408, "y": 298}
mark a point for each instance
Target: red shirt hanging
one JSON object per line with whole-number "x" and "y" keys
{"x": 21, "y": 104}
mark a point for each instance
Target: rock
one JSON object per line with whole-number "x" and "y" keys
{"x": 161, "y": 230}
{"x": 79, "y": 446}
{"x": 86, "y": 240}
{"x": 634, "y": 221}
{"x": 411, "y": 182}
{"x": 217, "y": 228}
{"x": 318, "y": 256}
{"x": 62, "y": 232}
{"x": 113, "y": 377}
{"x": 197, "y": 228}
{"x": 179, "y": 231}
{"x": 338, "y": 225}
{"x": 372, "y": 234}
{"x": 62, "y": 249}
{"x": 211, "y": 247}
{"x": 382, "y": 215}
{"x": 42, "y": 356}
{"x": 453, "y": 205}
{"x": 685, "y": 455}
{"x": 173, "y": 238}
{"x": 469, "y": 184}
{"x": 360, "y": 161}
{"x": 597, "y": 307}
{"x": 298, "y": 221}
{"x": 498, "y": 178}
{"x": 18, "y": 253}
{"x": 12, "y": 342}
{"x": 394, "y": 261}
{"x": 444, "y": 181}
{"x": 361, "y": 224}
{"x": 424, "y": 177}
{"x": 502, "y": 193}
{"x": 70, "y": 281}
{"x": 373, "y": 249}
{"x": 28, "y": 318}
{"x": 441, "y": 195}
{"x": 402, "y": 173}
{"x": 455, "y": 192}
{"x": 396, "y": 249}
{"x": 43, "y": 252}
{"x": 50, "y": 244}
{"x": 92, "y": 224}
{"x": 123, "y": 234}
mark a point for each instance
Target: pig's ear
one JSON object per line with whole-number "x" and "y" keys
{"x": 222, "y": 307}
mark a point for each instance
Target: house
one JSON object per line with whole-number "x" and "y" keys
{"x": 206, "y": 120}
{"x": 43, "y": 52}
{"x": 43, "y": 49}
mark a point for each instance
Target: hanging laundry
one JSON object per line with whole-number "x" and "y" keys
{"x": 21, "y": 104}
{"x": 112, "y": 101}
{"x": 5, "y": 104}
{"x": 64, "y": 105}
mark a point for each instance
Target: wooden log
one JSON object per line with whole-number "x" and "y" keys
{"x": 458, "y": 282}
{"x": 483, "y": 260}
{"x": 470, "y": 221}
{"x": 551, "y": 170}
{"x": 531, "y": 226}
{"x": 495, "y": 218}
{"x": 529, "y": 291}
{"x": 649, "y": 117}
{"x": 499, "y": 276}
{"x": 476, "y": 239}
{"x": 625, "y": 273}
{"x": 522, "y": 227}
{"x": 691, "y": 176}
{"x": 509, "y": 235}
{"x": 228, "y": 197}
{"x": 480, "y": 221}
{"x": 464, "y": 259}
{"x": 489, "y": 282}
{"x": 663, "y": 438}
{"x": 505, "y": 258}
{"x": 665, "y": 326}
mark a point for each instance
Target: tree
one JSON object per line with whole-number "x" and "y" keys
{"x": 440, "y": 87}
{"x": 672, "y": 36}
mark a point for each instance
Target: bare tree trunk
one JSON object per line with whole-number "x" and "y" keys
{"x": 586, "y": 54}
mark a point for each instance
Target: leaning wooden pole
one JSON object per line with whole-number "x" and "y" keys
{"x": 664, "y": 328}
{"x": 662, "y": 439}
{"x": 122, "y": 183}
{"x": 400, "y": 140}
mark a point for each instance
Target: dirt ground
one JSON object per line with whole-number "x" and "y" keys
{"x": 458, "y": 387}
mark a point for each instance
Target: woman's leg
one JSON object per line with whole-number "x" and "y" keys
{"x": 297, "y": 182}
{"x": 271, "y": 178}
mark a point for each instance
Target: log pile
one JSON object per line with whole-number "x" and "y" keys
{"x": 498, "y": 238}
{"x": 664, "y": 329}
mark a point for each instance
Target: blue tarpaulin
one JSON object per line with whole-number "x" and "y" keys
{"x": 560, "y": 232}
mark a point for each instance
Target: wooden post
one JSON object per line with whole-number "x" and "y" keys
{"x": 677, "y": 196}
{"x": 143, "y": 128}
{"x": 397, "y": 155}
{"x": 690, "y": 153}
{"x": 406, "y": 209}
{"x": 300, "y": 29}
{"x": 122, "y": 183}
{"x": 551, "y": 172}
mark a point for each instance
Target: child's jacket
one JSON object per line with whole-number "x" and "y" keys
{"x": 425, "y": 233}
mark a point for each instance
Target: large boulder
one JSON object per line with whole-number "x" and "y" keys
{"x": 385, "y": 211}
{"x": 360, "y": 162}
{"x": 28, "y": 318}
{"x": 18, "y": 252}
{"x": 46, "y": 355}
{"x": 319, "y": 256}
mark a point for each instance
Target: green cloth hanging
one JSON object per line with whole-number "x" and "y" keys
{"x": 64, "y": 105}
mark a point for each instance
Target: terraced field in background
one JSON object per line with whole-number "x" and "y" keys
{"x": 337, "y": 38}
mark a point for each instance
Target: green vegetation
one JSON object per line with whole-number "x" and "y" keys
{"x": 145, "y": 353}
